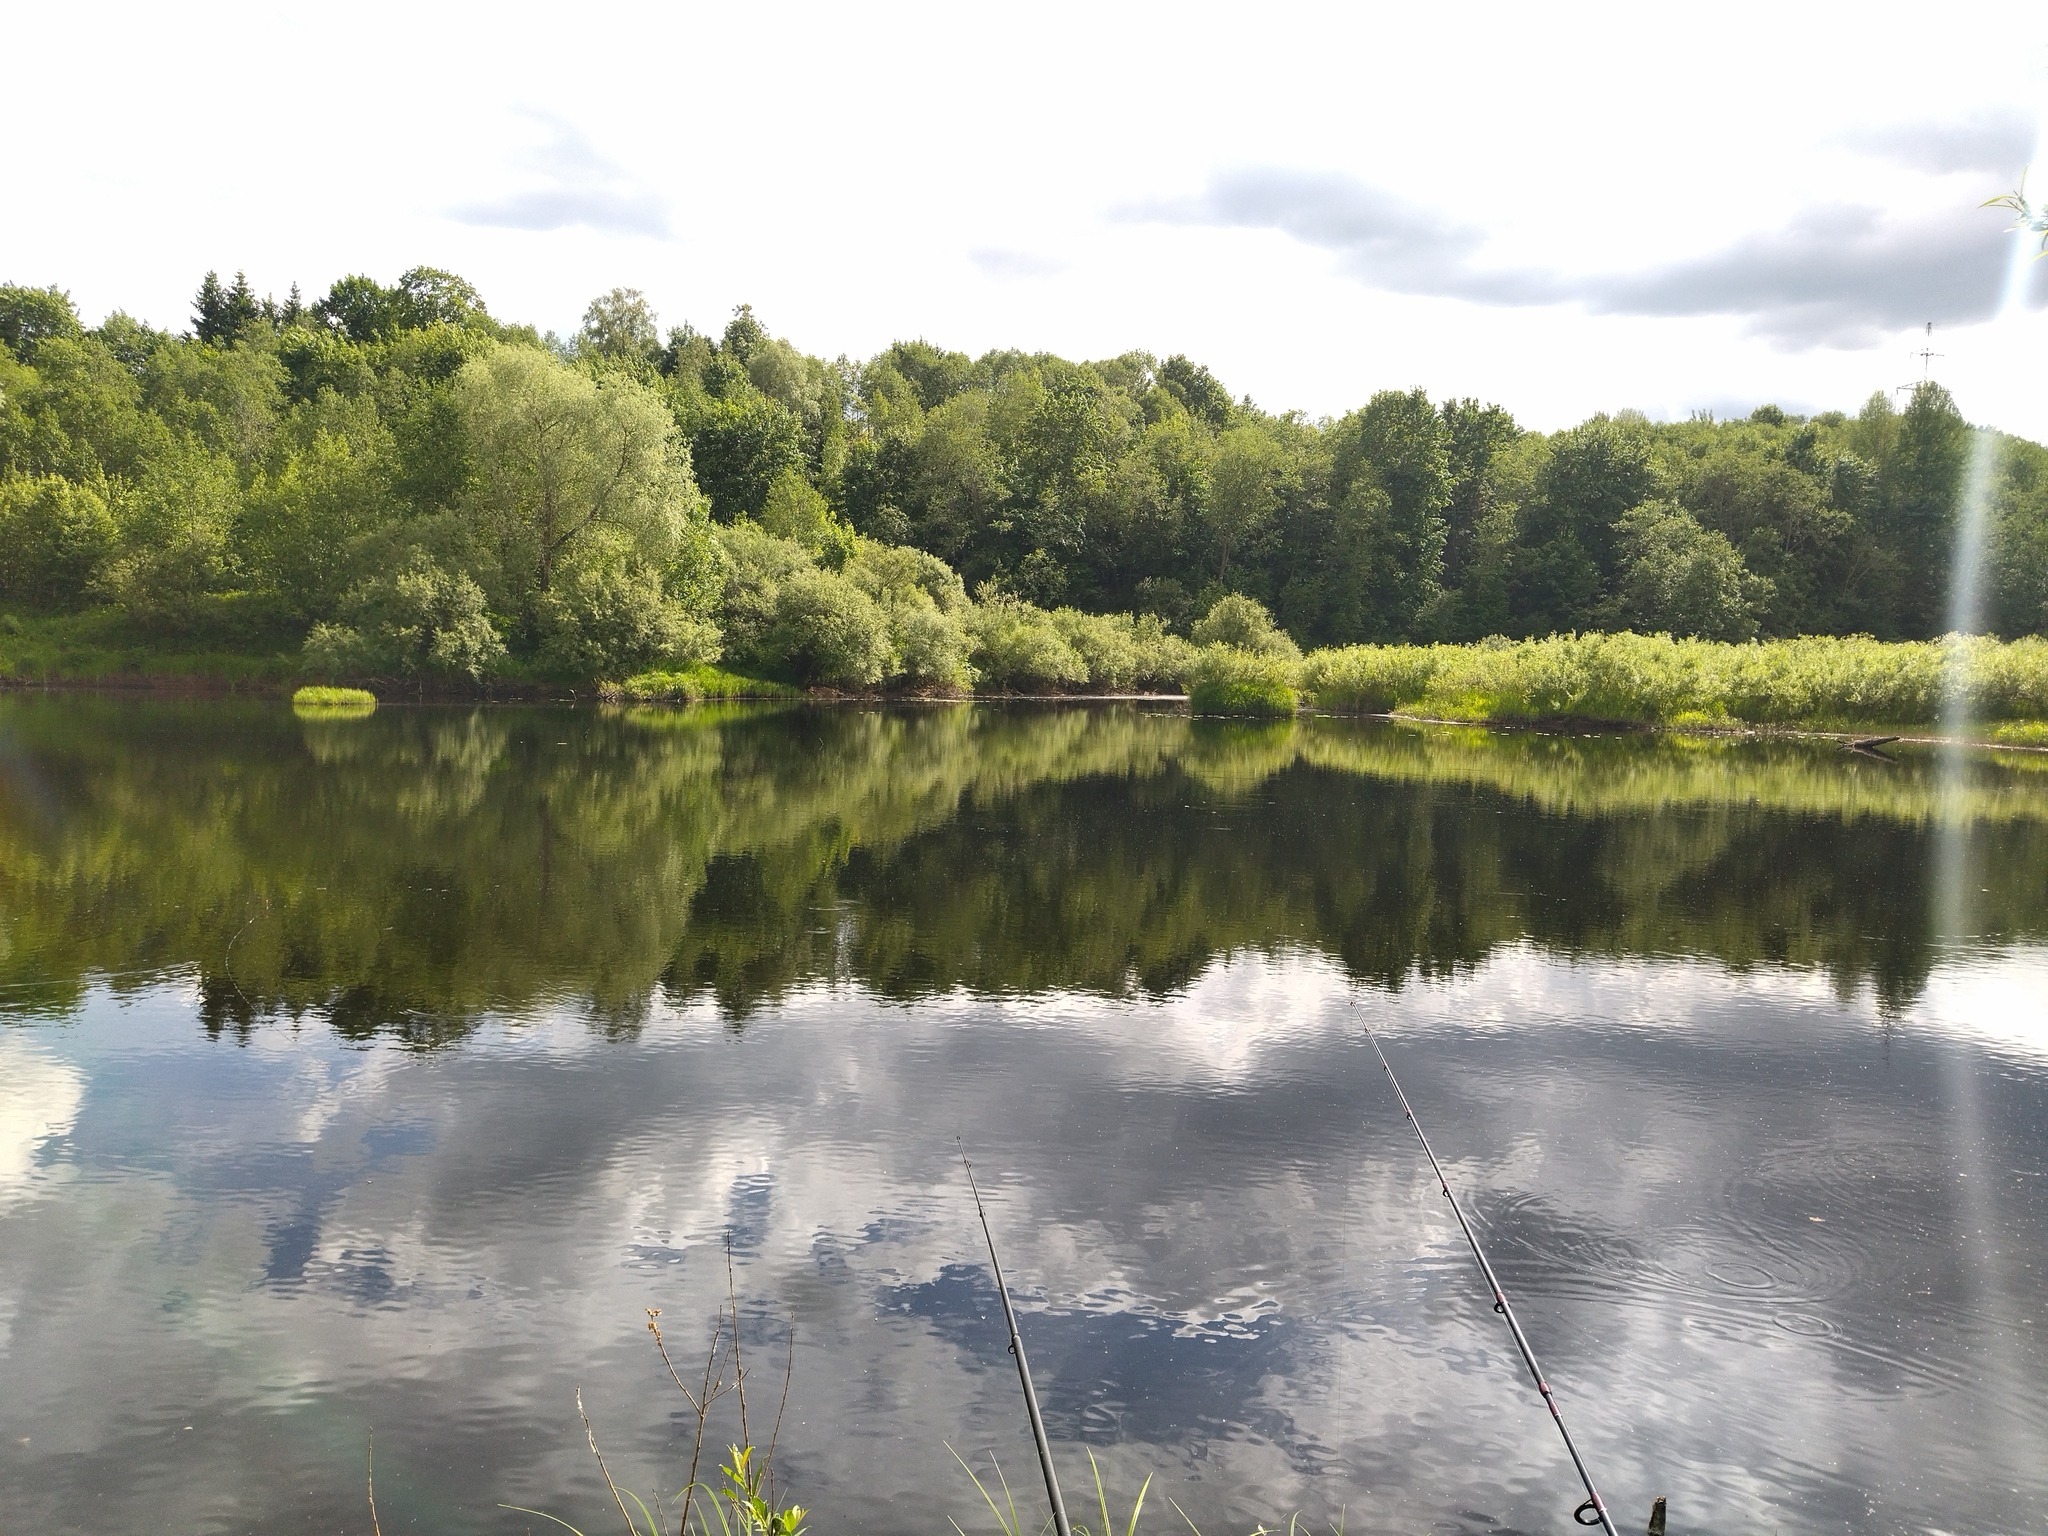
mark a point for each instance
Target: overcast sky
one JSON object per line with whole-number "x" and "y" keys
{"x": 1565, "y": 209}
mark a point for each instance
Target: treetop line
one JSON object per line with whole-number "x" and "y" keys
{"x": 400, "y": 483}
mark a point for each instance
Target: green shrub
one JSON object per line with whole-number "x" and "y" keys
{"x": 614, "y": 619}
{"x": 1106, "y": 644}
{"x": 419, "y": 620}
{"x": 55, "y": 537}
{"x": 1243, "y": 624}
{"x": 1017, "y": 646}
{"x": 1229, "y": 681}
{"x": 827, "y": 630}
{"x": 1165, "y": 661}
{"x": 927, "y": 608}
{"x": 2022, "y": 733}
{"x": 1368, "y": 679}
{"x": 933, "y": 648}
{"x": 756, "y": 563}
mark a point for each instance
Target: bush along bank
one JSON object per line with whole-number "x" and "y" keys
{"x": 1816, "y": 682}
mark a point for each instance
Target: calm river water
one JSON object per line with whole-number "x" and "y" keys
{"x": 378, "y": 1074}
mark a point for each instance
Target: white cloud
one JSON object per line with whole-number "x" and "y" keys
{"x": 999, "y": 262}
{"x": 566, "y": 181}
{"x": 1566, "y": 209}
{"x": 1839, "y": 274}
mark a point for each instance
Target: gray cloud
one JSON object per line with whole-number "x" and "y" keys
{"x": 998, "y": 262}
{"x": 1837, "y": 275}
{"x": 571, "y": 182}
{"x": 1999, "y": 142}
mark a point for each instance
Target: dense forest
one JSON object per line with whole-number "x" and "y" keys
{"x": 389, "y": 481}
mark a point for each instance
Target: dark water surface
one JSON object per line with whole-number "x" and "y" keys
{"x": 380, "y": 1073}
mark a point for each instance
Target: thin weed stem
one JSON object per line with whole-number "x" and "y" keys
{"x": 376, "y": 1529}
{"x": 788, "y": 1370}
{"x": 739, "y": 1370}
{"x": 631, "y": 1528}
{"x": 700, "y": 1402}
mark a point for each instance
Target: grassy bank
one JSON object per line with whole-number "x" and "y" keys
{"x": 102, "y": 646}
{"x": 1817, "y": 682}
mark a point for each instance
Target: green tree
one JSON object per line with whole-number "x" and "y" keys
{"x": 1594, "y": 472}
{"x": 221, "y": 314}
{"x": 794, "y": 510}
{"x": 620, "y": 326}
{"x": 1477, "y": 443}
{"x": 1397, "y": 446}
{"x": 1679, "y": 577}
{"x": 740, "y": 441}
{"x": 1197, "y": 390}
{"x": 176, "y": 546}
{"x": 562, "y": 460}
{"x": 55, "y": 538}
{"x": 1920, "y": 481}
{"x": 1244, "y": 493}
{"x": 30, "y": 316}
{"x": 935, "y": 374}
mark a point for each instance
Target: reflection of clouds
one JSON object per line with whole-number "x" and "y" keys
{"x": 1234, "y": 1271}
{"x": 39, "y": 1099}
{"x": 2000, "y": 1002}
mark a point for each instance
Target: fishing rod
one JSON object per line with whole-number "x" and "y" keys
{"x": 1593, "y": 1502}
{"x": 1052, "y": 1482}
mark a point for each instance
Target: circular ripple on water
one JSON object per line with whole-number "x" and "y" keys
{"x": 1741, "y": 1275}
{"x": 1805, "y": 1324}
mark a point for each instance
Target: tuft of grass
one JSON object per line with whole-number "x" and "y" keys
{"x": 694, "y": 683}
{"x": 1010, "y": 1523}
{"x": 2022, "y": 733}
{"x": 1228, "y": 681}
{"x": 334, "y": 698}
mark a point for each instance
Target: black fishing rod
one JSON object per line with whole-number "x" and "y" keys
{"x": 1593, "y": 1502}
{"x": 1052, "y": 1482}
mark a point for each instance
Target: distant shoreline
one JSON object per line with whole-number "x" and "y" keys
{"x": 222, "y": 686}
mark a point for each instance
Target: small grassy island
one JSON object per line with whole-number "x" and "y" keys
{"x": 390, "y": 486}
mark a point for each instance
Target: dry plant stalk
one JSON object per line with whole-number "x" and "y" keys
{"x": 739, "y": 1371}
{"x": 375, "y": 1528}
{"x": 700, "y": 1401}
{"x": 607, "y": 1471}
{"x": 788, "y": 1370}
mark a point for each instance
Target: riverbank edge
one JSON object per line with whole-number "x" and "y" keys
{"x": 226, "y": 685}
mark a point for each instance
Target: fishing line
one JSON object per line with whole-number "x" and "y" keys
{"x": 1052, "y": 1482}
{"x": 1594, "y": 1503}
